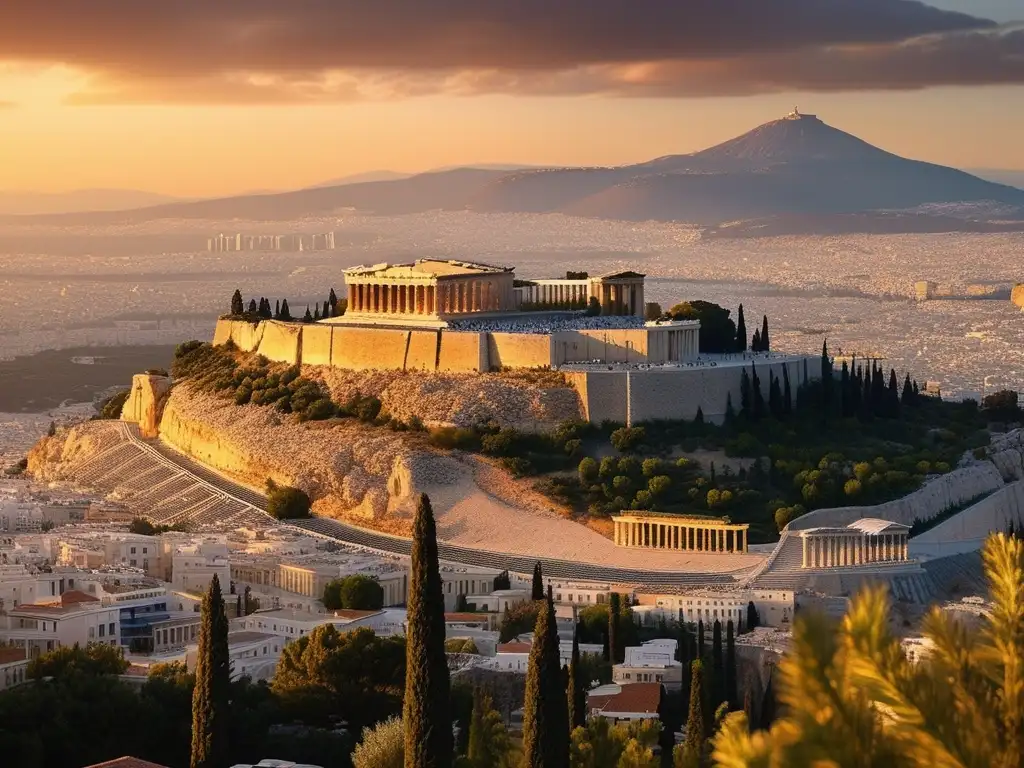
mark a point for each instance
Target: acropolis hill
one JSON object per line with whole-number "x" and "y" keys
{"x": 446, "y": 316}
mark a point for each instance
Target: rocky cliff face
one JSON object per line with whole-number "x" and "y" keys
{"x": 345, "y": 466}
{"x": 1017, "y": 296}
{"x": 56, "y": 458}
{"x": 145, "y": 403}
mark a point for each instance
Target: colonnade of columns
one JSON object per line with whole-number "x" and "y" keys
{"x": 557, "y": 292}
{"x": 685, "y": 535}
{"x": 625, "y": 298}
{"x": 444, "y": 297}
{"x": 299, "y": 582}
{"x": 831, "y": 550}
{"x": 682, "y": 344}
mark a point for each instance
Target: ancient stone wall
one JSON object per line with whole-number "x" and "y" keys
{"x": 967, "y": 530}
{"x": 317, "y": 343}
{"x": 1017, "y": 295}
{"x": 281, "y": 342}
{"x": 422, "y": 351}
{"x": 144, "y": 405}
{"x": 463, "y": 351}
{"x": 361, "y": 349}
{"x": 244, "y": 335}
{"x": 520, "y": 350}
{"x": 602, "y": 394}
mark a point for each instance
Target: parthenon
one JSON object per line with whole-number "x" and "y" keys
{"x": 685, "y": 534}
{"x": 867, "y": 541}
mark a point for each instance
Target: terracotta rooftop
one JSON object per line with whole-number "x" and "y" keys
{"x": 638, "y": 698}
{"x": 466, "y": 617}
{"x": 127, "y": 762}
{"x": 514, "y": 647}
{"x": 74, "y": 596}
{"x": 9, "y": 655}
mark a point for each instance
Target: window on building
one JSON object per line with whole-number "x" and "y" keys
{"x": 133, "y": 550}
{"x": 103, "y": 630}
{"x": 111, "y": 628}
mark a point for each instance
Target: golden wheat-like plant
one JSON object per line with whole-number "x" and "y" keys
{"x": 852, "y": 699}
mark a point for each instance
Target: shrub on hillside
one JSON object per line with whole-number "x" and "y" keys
{"x": 357, "y": 592}
{"x": 626, "y": 439}
{"x": 287, "y": 503}
{"x": 112, "y": 406}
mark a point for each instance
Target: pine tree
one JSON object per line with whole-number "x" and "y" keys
{"x": 286, "y": 314}
{"x": 237, "y": 307}
{"x": 697, "y": 718}
{"x": 545, "y": 715}
{"x": 428, "y": 723}
{"x": 537, "y": 592}
{"x": 731, "y": 695}
{"x": 210, "y": 697}
{"x": 741, "y": 331}
{"x": 307, "y": 318}
{"x": 613, "y": 629}
{"x": 766, "y": 345}
{"x": 700, "y": 639}
{"x": 576, "y": 693}
{"x": 755, "y": 341}
{"x": 717, "y": 665}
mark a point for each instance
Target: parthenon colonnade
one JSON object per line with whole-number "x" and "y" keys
{"x": 684, "y": 534}
{"x": 863, "y": 543}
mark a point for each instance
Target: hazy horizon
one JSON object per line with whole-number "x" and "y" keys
{"x": 200, "y": 100}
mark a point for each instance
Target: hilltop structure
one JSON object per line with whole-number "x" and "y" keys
{"x": 444, "y": 315}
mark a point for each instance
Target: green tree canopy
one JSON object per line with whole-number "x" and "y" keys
{"x": 287, "y": 503}
{"x": 382, "y": 746}
{"x": 357, "y": 592}
{"x": 717, "y": 330}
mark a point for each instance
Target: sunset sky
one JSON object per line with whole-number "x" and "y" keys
{"x": 208, "y": 97}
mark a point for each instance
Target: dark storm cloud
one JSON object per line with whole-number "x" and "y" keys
{"x": 313, "y": 50}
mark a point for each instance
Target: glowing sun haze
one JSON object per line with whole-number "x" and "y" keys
{"x": 201, "y": 97}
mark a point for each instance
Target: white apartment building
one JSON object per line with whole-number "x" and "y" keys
{"x": 252, "y": 654}
{"x": 105, "y": 549}
{"x": 13, "y": 667}
{"x": 651, "y": 662}
{"x": 194, "y": 566}
{"x": 290, "y": 624}
{"x": 774, "y": 606}
{"x": 515, "y": 656}
{"x": 76, "y": 618}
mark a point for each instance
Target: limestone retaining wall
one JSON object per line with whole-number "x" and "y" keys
{"x": 602, "y": 394}
{"x": 362, "y": 349}
{"x": 939, "y": 494}
{"x": 967, "y": 531}
{"x": 281, "y": 342}
{"x": 317, "y": 343}
{"x": 463, "y": 351}
{"x": 519, "y": 350}
{"x": 422, "y": 351}
{"x": 244, "y": 335}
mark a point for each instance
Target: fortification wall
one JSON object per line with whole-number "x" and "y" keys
{"x": 463, "y": 352}
{"x": 422, "y": 351}
{"x": 967, "y": 530}
{"x": 317, "y": 342}
{"x": 520, "y": 350}
{"x": 942, "y": 493}
{"x": 244, "y": 335}
{"x": 281, "y": 342}
{"x": 362, "y": 349}
{"x": 602, "y": 394}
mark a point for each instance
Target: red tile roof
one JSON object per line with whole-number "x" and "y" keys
{"x": 127, "y": 762}
{"x": 636, "y": 698}
{"x": 73, "y": 596}
{"x": 466, "y": 617}
{"x": 9, "y": 655}
{"x": 514, "y": 647}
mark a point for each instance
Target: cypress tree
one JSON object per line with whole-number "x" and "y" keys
{"x": 826, "y": 380}
{"x": 576, "y": 694}
{"x": 613, "y": 629}
{"x": 755, "y": 341}
{"x": 277, "y": 309}
{"x": 758, "y": 396}
{"x": 307, "y": 318}
{"x": 766, "y": 345}
{"x": 731, "y": 695}
{"x": 916, "y": 392}
{"x": 741, "y": 331}
{"x": 698, "y": 417}
{"x": 700, "y": 639}
{"x": 538, "y": 583}
{"x": 730, "y": 413}
{"x": 774, "y": 396}
{"x": 753, "y": 620}
{"x": 545, "y": 715}
{"x": 893, "y": 395}
{"x": 285, "y": 312}
{"x": 332, "y": 302}
{"x": 252, "y": 306}
{"x": 475, "y": 746}
{"x": 316, "y": 312}
{"x": 717, "y": 665}
{"x": 844, "y": 390}
{"x": 908, "y": 392}
{"x": 745, "y": 394}
{"x": 425, "y": 715}
{"x": 867, "y": 401}
{"x": 697, "y": 718}
{"x": 213, "y": 678}
{"x": 787, "y": 392}
{"x": 237, "y": 307}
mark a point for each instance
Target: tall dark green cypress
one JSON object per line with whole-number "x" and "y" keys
{"x": 907, "y": 396}
{"x": 576, "y": 694}
{"x": 277, "y": 309}
{"x": 717, "y": 666}
{"x": 787, "y": 392}
{"x": 700, "y": 639}
{"x": 237, "y": 307}
{"x": 286, "y": 313}
{"x": 755, "y": 341}
{"x": 826, "y": 380}
{"x": 697, "y": 718}
{"x": 426, "y": 715}
{"x": 730, "y": 667}
{"x": 213, "y": 678}
{"x": 745, "y": 403}
{"x": 545, "y": 714}
{"x": 537, "y": 590}
{"x": 766, "y": 345}
{"x": 613, "y": 629}
{"x": 741, "y": 331}
{"x": 332, "y": 301}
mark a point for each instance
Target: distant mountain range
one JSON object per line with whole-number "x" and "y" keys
{"x": 792, "y": 174}
{"x": 28, "y": 203}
